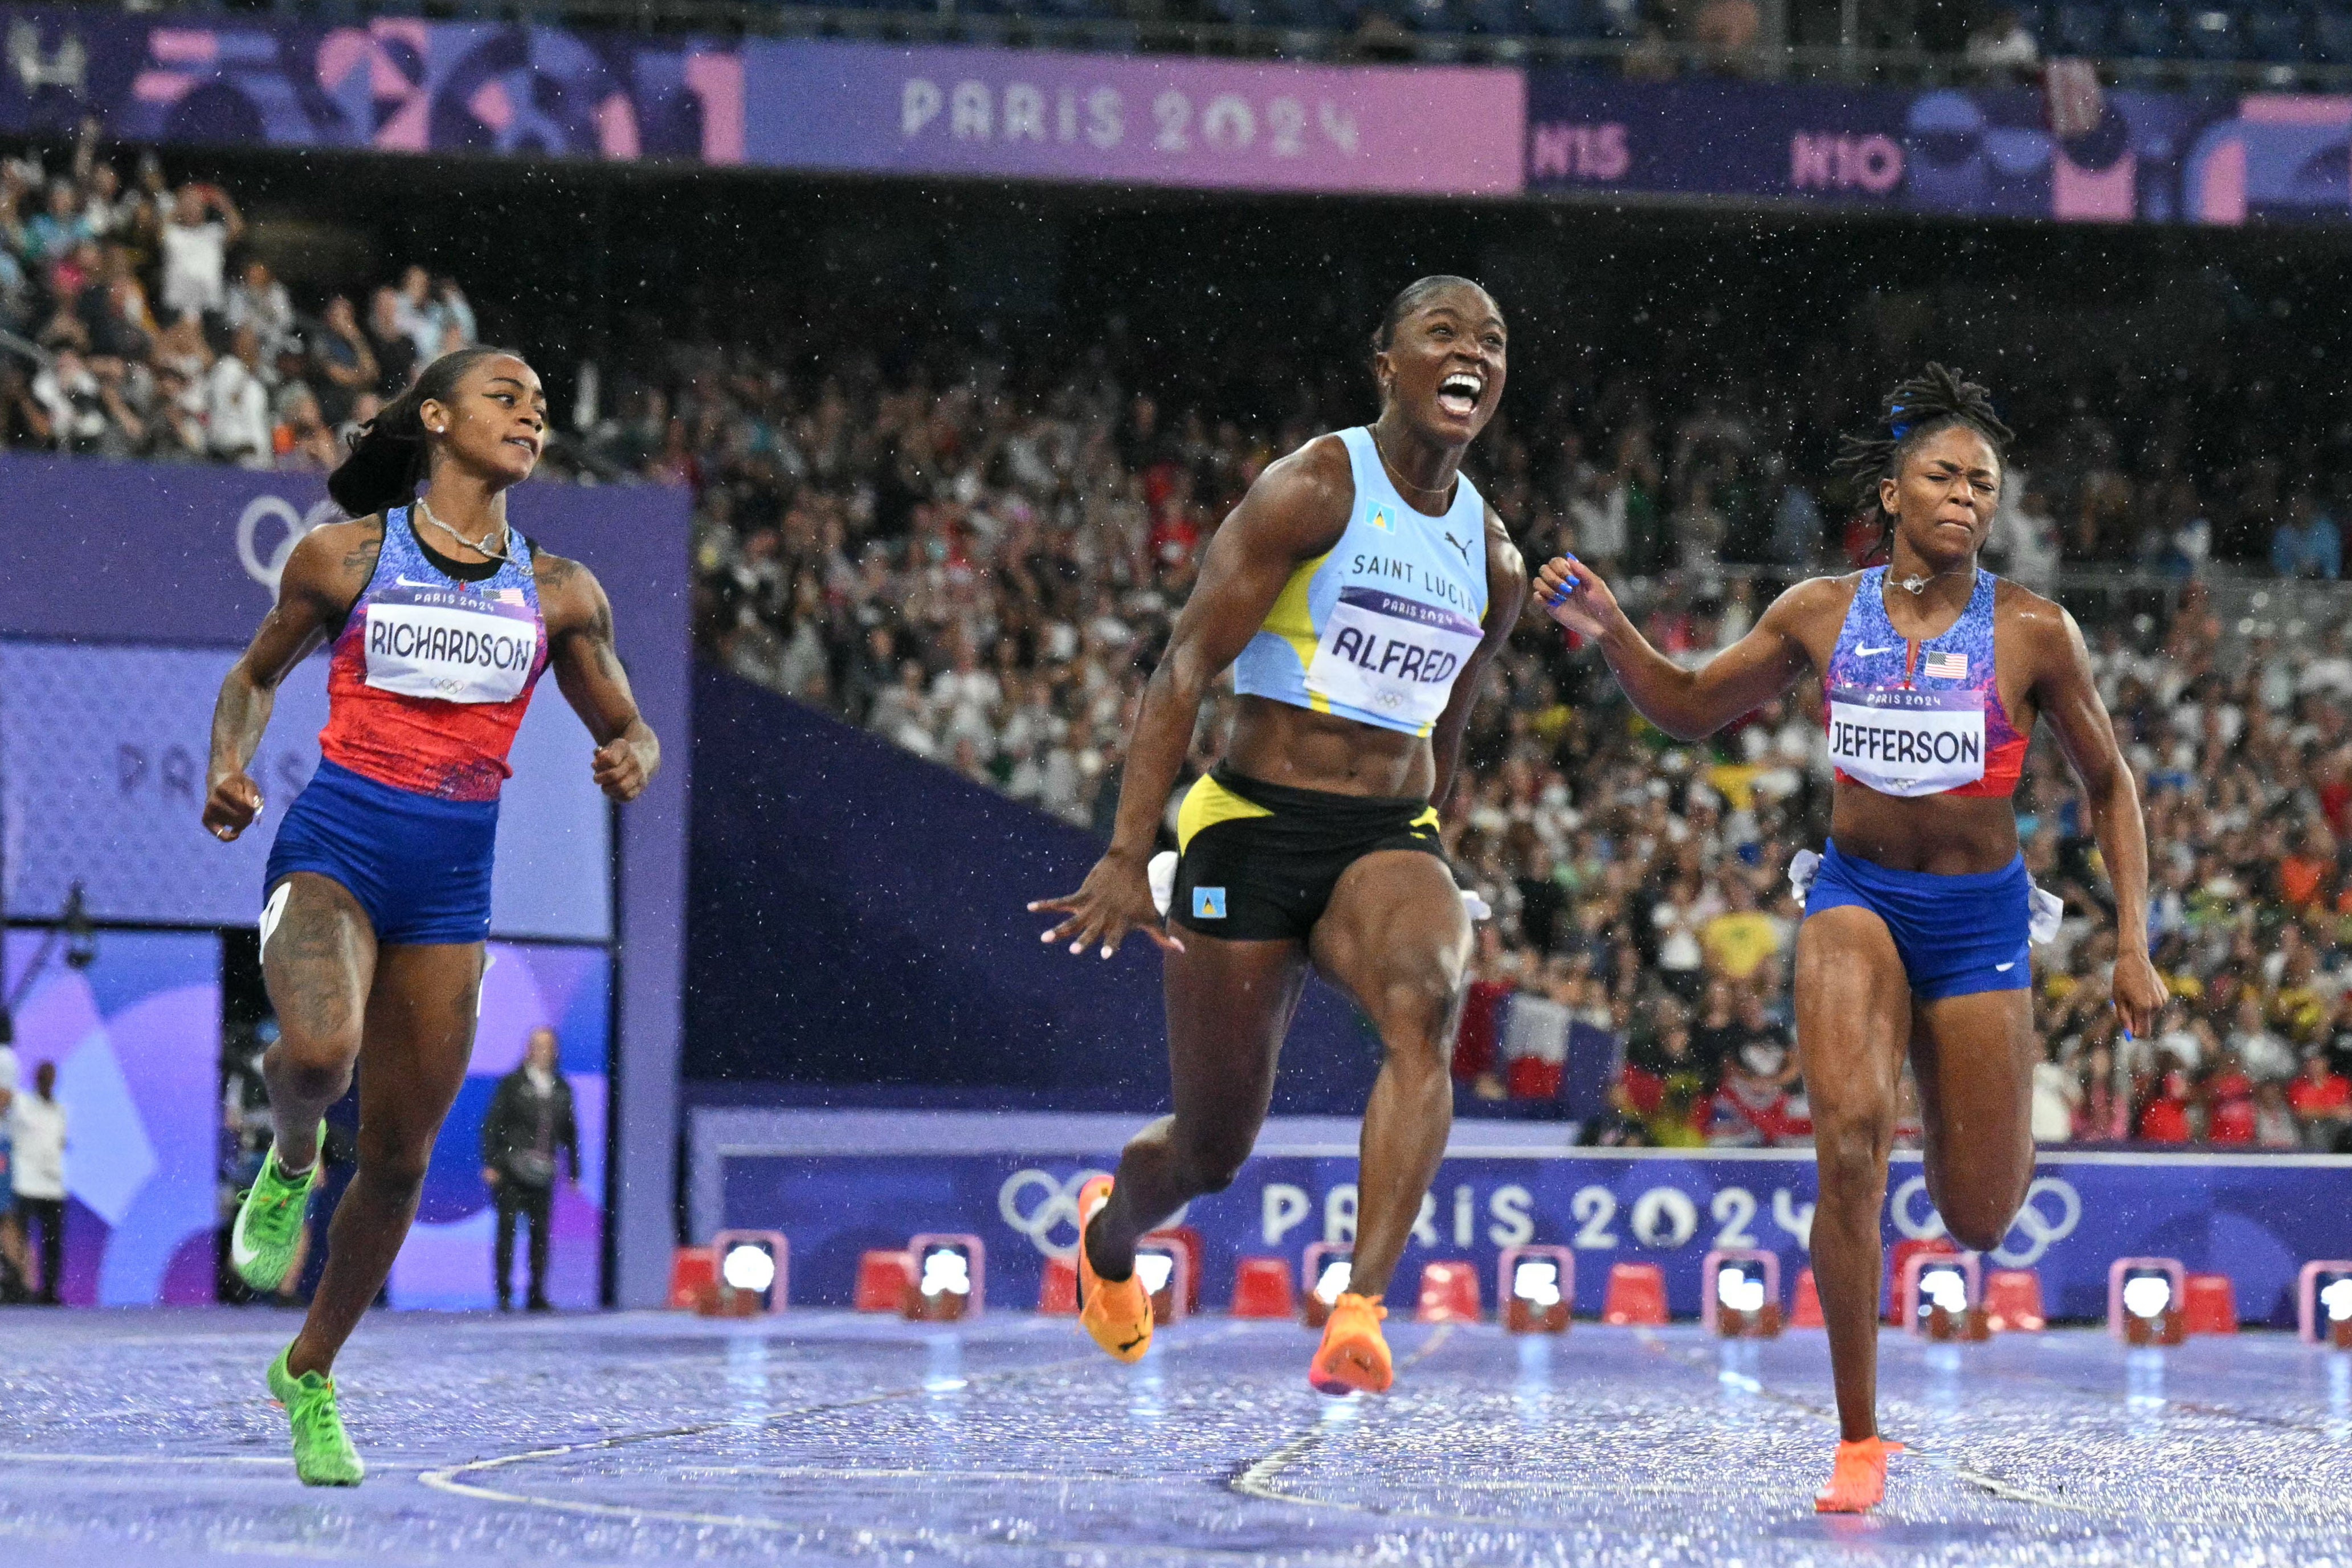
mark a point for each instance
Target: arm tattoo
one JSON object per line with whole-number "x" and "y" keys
{"x": 555, "y": 572}
{"x": 600, "y": 638}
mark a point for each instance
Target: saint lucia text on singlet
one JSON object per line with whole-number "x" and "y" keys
{"x": 1903, "y": 741}
{"x": 1387, "y": 654}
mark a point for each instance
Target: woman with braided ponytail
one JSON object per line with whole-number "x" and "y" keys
{"x": 1918, "y": 910}
{"x": 442, "y": 619}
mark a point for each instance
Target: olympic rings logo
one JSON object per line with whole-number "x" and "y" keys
{"x": 2038, "y": 1231}
{"x": 1041, "y": 1209}
{"x": 295, "y": 526}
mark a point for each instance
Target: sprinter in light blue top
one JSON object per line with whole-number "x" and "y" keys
{"x": 1377, "y": 629}
{"x": 1358, "y": 594}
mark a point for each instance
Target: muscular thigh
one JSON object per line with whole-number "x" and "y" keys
{"x": 1396, "y": 938}
{"x": 318, "y": 958}
{"x": 1229, "y": 1006}
{"x": 420, "y": 1036}
{"x": 1974, "y": 1058}
{"x": 1853, "y": 1015}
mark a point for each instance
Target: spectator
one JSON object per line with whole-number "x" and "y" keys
{"x": 2002, "y": 41}
{"x": 1742, "y": 940}
{"x": 2321, "y": 1101}
{"x": 2166, "y": 1119}
{"x": 259, "y": 301}
{"x": 2058, "y": 1094}
{"x": 529, "y": 1122}
{"x": 302, "y": 439}
{"x": 346, "y": 364}
{"x": 2274, "y": 1122}
{"x": 204, "y": 224}
{"x": 15, "y": 1268}
{"x": 37, "y": 1139}
{"x": 2230, "y": 1103}
{"x": 396, "y": 353}
{"x": 2305, "y": 542}
{"x": 2254, "y": 1048}
{"x": 237, "y": 404}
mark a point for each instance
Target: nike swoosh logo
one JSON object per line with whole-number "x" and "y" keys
{"x": 2004, "y": 968}
{"x": 1873, "y": 652}
{"x": 239, "y": 1254}
{"x": 406, "y": 583}
{"x": 1132, "y": 1343}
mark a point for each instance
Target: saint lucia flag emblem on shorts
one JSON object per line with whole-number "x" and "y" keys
{"x": 1208, "y": 903}
{"x": 1381, "y": 520}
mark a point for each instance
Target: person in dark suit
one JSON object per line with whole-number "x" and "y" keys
{"x": 530, "y": 1120}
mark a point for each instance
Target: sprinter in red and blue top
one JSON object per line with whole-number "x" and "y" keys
{"x": 377, "y": 897}
{"x": 1918, "y": 909}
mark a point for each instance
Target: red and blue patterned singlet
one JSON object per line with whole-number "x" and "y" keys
{"x": 430, "y": 675}
{"x": 1919, "y": 717}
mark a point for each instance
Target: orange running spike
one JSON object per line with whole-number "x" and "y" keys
{"x": 1858, "y": 1478}
{"x": 1117, "y": 1314}
{"x": 1353, "y": 1355}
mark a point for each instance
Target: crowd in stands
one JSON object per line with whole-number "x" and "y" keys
{"x": 132, "y": 326}
{"x": 976, "y": 555}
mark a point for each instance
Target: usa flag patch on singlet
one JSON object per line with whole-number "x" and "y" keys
{"x": 1946, "y": 667}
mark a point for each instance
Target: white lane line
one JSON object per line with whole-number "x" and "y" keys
{"x": 446, "y": 1480}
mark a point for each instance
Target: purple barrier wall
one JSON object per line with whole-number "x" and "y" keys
{"x": 838, "y": 1183}
{"x": 2150, "y": 157}
{"x": 103, "y": 552}
{"x": 859, "y": 917}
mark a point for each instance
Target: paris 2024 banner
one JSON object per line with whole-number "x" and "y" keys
{"x": 2062, "y": 147}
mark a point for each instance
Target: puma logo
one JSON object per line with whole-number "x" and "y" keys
{"x": 1461, "y": 544}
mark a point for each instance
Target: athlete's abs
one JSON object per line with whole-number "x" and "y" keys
{"x": 1302, "y": 749}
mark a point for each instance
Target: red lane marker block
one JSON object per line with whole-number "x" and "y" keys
{"x": 2012, "y": 1302}
{"x": 1058, "y": 1296}
{"x": 2212, "y": 1305}
{"x": 1186, "y": 1239}
{"x": 1637, "y": 1294}
{"x": 1805, "y": 1309}
{"x": 1903, "y": 1252}
{"x": 1449, "y": 1294}
{"x": 882, "y": 1280}
{"x": 693, "y": 1273}
{"x": 1262, "y": 1289}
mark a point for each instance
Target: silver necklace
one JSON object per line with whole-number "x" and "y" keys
{"x": 482, "y": 545}
{"x": 1915, "y": 585}
{"x": 1446, "y": 490}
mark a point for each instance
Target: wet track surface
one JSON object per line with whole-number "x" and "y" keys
{"x": 145, "y": 1440}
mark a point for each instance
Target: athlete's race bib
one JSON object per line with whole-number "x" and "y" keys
{"x": 1907, "y": 742}
{"x": 453, "y": 652}
{"x": 1390, "y": 655}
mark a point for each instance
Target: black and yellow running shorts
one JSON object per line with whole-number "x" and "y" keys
{"x": 1259, "y": 860}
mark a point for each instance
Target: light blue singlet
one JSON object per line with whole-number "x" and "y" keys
{"x": 1377, "y": 629}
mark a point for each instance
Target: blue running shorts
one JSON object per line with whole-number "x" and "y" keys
{"x": 1956, "y": 935}
{"x": 419, "y": 865}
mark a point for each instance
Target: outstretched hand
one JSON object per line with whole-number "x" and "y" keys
{"x": 1573, "y": 594}
{"x": 1113, "y": 900}
{"x": 230, "y": 808}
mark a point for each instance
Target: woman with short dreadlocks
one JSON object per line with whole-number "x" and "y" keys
{"x": 1918, "y": 909}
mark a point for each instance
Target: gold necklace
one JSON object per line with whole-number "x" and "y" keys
{"x": 1446, "y": 490}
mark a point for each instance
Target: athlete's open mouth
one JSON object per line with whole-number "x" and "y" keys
{"x": 525, "y": 442}
{"x": 1458, "y": 394}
